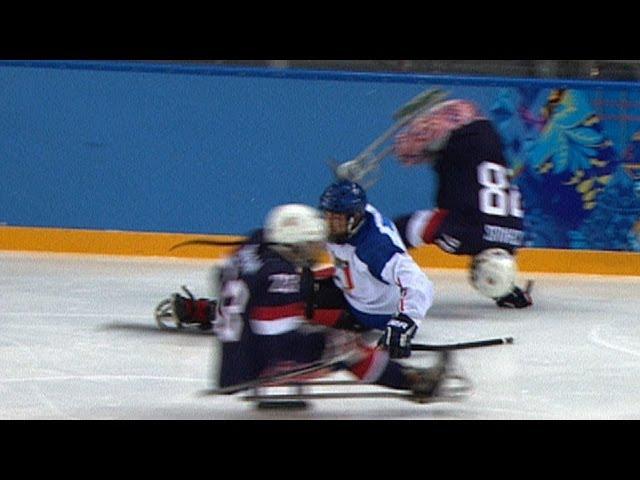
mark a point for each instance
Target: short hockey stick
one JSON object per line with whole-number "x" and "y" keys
{"x": 417, "y": 347}
{"x": 210, "y": 243}
{"x": 366, "y": 162}
{"x": 207, "y": 242}
{"x": 404, "y": 115}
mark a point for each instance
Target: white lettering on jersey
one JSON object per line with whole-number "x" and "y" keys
{"x": 494, "y": 233}
{"x": 284, "y": 283}
{"x": 498, "y": 196}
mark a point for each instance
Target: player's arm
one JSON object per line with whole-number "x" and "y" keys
{"x": 416, "y": 297}
{"x": 416, "y": 288}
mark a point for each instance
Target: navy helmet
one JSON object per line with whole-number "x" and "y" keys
{"x": 344, "y": 196}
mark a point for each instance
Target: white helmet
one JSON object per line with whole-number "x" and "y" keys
{"x": 493, "y": 272}
{"x": 293, "y": 224}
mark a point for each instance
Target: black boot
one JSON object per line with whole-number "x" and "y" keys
{"x": 425, "y": 382}
{"x": 517, "y": 298}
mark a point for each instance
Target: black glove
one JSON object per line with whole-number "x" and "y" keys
{"x": 515, "y": 299}
{"x": 397, "y": 336}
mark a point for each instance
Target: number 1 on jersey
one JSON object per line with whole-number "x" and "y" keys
{"x": 346, "y": 277}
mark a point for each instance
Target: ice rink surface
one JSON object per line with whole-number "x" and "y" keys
{"x": 78, "y": 341}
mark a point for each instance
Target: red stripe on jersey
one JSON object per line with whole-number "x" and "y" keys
{"x": 403, "y": 293}
{"x": 361, "y": 368}
{"x": 324, "y": 273}
{"x": 431, "y": 228}
{"x": 326, "y": 317}
{"x": 277, "y": 311}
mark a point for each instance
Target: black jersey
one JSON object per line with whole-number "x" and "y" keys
{"x": 474, "y": 177}
{"x": 475, "y": 188}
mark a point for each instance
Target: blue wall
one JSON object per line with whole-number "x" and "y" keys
{"x": 131, "y": 146}
{"x": 165, "y": 149}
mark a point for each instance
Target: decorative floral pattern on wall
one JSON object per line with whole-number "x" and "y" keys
{"x": 579, "y": 189}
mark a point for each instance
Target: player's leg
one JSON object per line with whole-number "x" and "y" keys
{"x": 452, "y": 234}
{"x": 517, "y": 298}
{"x": 372, "y": 365}
{"x": 369, "y": 364}
{"x": 493, "y": 273}
{"x": 421, "y": 227}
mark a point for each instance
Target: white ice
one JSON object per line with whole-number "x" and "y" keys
{"x": 78, "y": 341}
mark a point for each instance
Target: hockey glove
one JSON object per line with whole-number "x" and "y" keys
{"x": 190, "y": 310}
{"x": 397, "y": 336}
{"x": 517, "y": 298}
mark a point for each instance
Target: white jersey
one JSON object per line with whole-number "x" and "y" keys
{"x": 377, "y": 275}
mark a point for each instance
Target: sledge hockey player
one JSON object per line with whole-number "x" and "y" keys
{"x": 262, "y": 310}
{"x": 200, "y": 312}
{"x": 374, "y": 282}
{"x": 478, "y": 212}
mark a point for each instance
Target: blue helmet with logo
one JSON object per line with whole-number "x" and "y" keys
{"x": 344, "y": 196}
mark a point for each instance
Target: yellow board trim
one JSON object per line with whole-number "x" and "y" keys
{"x": 548, "y": 260}
{"x": 108, "y": 242}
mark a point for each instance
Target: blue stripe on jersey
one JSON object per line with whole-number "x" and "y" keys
{"x": 373, "y": 247}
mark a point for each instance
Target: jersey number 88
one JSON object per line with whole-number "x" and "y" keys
{"x": 497, "y": 197}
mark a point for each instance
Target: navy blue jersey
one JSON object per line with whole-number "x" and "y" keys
{"x": 474, "y": 177}
{"x": 477, "y": 206}
{"x": 475, "y": 180}
{"x": 261, "y": 308}
{"x": 484, "y": 208}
